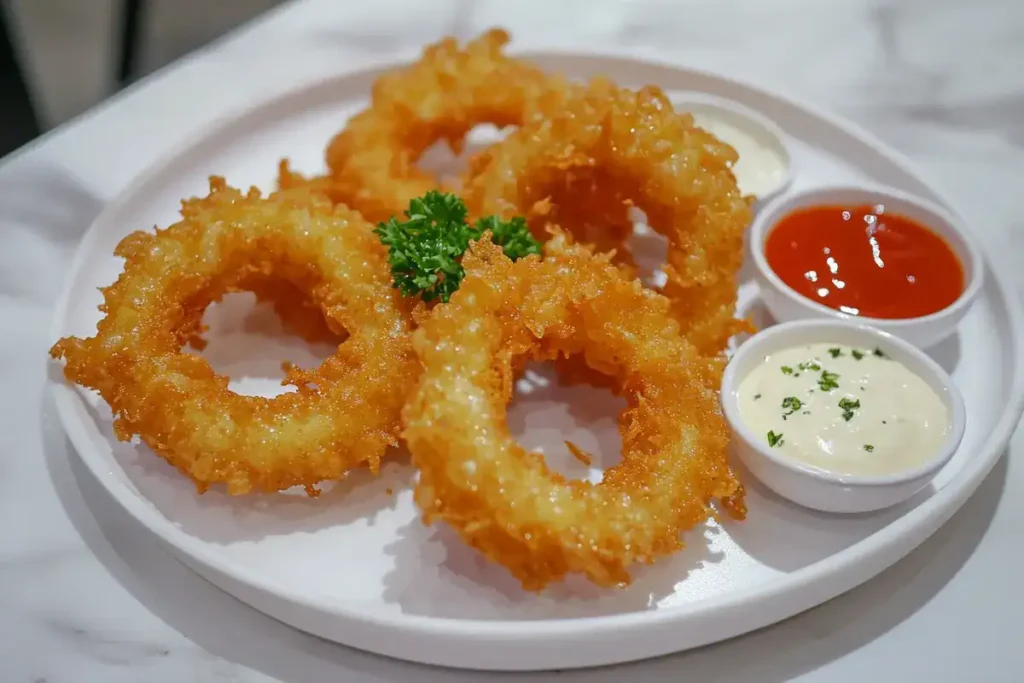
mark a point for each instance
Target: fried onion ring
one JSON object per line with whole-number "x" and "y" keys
{"x": 440, "y": 97}
{"x": 506, "y": 502}
{"x": 343, "y": 414}
{"x": 632, "y": 147}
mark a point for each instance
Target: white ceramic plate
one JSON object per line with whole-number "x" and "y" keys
{"x": 356, "y": 566}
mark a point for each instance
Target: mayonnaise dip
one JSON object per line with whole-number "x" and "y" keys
{"x": 843, "y": 409}
{"x": 762, "y": 167}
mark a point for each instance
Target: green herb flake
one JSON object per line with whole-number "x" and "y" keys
{"x": 848, "y": 406}
{"x": 836, "y": 352}
{"x": 757, "y": 396}
{"x": 792, "y": 403}
{"x": 786, "y": 370}
{"x": 827, "y": 381}
{"x": 814, "y": 367}
{"x": 774, "y": 439}
{"x": 869, "y": 448}
{"x": 857, "y": 354}
{"x": 878, "y": 352}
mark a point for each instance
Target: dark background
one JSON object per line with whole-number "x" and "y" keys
{"x": 60, "y": 57}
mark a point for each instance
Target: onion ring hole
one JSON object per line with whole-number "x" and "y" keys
{"x": 545, "y": 416}
{"x": 447, "y": 165}
{"x": 248, "y": 342}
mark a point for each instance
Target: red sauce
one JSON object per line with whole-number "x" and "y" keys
{"x": 865, "y": 262}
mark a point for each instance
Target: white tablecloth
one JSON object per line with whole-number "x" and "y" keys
{"x": 87, "y": 595}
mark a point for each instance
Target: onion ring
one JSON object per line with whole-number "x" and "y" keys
{"x": 343, "y": 414}
{"x": 440, "y": 97}
{"x": 504, "y": 501}
{"x": 633, "y": 147}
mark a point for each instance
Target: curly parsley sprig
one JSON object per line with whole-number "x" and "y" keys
{"x": 425, "y": 250}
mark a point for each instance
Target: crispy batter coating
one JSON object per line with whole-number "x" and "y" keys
{"x": 287, "y": 179}
{"x": 506, "y": 502}
{"x": 343, "y": 414}
{"x": 440, "y": 97}
{"x": 629, "y": 147}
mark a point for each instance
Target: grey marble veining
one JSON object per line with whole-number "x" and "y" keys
{"x": 86, "y": 594}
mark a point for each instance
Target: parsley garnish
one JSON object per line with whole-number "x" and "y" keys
{"x": 425, "y": 250}
{"x": 757, "y": 396}
{"x": 848, "y": 406}
{"x": 774, "y": 439}
{"x": 836, "y": 352}
{"x": 869, "y": 448}
{"x": 786, "y": 370}
{"x": 792, "y": 402}
{"x": 878, "y": 352}
{"x": 857, "y": 354}
{"x": 810, "y": 366}
{"x": 827, "y": 382}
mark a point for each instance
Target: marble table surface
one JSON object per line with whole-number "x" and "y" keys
{"x": 87, "y": 595}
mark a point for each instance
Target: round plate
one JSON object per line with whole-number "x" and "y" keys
{"x": 357, "y": 566}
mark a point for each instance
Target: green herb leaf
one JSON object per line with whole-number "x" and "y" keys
{"x": 827, "y": 382}
{"x": 786, "y": 370}
{"x": 878, "y": 352}
{"x": 869, "y": 448}
{"x": 810, "y": 366}
{"x": 836, "y": 352}
{"x": 857, "y": 354}
{"x": 792, "y": 403}
{"x": 757, "y": 396}
{"x": 425, "y": 250}
{"x": 774, "y": 439}
{"x": 848, "y": 406}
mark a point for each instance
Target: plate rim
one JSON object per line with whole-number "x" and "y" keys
{"x": 926, "y": 517}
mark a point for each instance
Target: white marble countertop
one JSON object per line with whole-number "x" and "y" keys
{"x": 87, "y": 595}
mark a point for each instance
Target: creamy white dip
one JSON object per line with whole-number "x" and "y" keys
{"x": 843, "y": 409}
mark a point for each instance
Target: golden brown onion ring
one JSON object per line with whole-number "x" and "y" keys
{"x": 504, "y": 501}
{"x": 343, "y": 414}
{"x": 440, "y": 97}
{"x": 632, "y": 147}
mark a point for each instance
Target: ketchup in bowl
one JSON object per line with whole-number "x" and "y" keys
{"x": 863, "y": 261}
